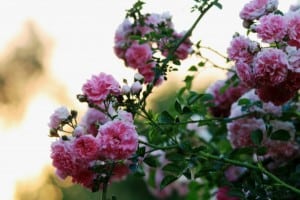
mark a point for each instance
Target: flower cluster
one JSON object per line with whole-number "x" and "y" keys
{"x": 137, "y": 42}
{"x": 95, "y": 150}
{"x": 271, "y": 67}
{"x": 238, "y": 139}
{"x": 242, "y": 131}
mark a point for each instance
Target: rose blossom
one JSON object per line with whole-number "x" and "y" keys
{"x": 271, "y": 28}
{"x": 222, "y": 194}
{"x": 270, "y": 67}
{"x": 118, "y": 140}
{"x": 63, "y": 158}
{"x": 136, "y": 87}
{"x": 86, "y": 147}
{"x": 239, "y": 131}
{"x": 122, "y": 38}
{"x": 138, "y": 55}
{"x": 245, "y": 73}
{"x": 92, "y": 119}
{"x": 99, "y": 87}
{"x": 293, "y": 28}
{"x": 257, "y": 8}
{"x": 58, "y": 116}
{"x": 293, "y": 58}
{"x": 282, "y": 150}
{"x": 239, "y": 49}
{"x": 223, "y": 100}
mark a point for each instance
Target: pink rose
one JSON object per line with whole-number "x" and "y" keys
{"x": 92, "y": 119}
{"x": 63, "y": 158}
{"x": 239, "y": 49}
{"x": 257, "y": 8}
{"x": 99, "y": 87}
{"x": 245, "y": 73}
{"x": 118, "y": 140}
{"x": 270, "y": 67}
{"x": 293, "y": 28}
{"x": 58, "y": 116}
{"x": 271, "y": 28}
{"x": 122, "y": 38}
{"x": 138, "y": 55}
{"x": 86, "y": 147}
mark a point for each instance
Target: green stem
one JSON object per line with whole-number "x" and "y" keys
{"x": 104, "y": 192}
{"x": 250, "y": 166}
{"x": 203, "y": 122}
{"x": 156, "y": 147}
{"x": 278, "y": 180}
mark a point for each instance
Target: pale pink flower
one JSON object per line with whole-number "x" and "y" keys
{"x": 147, "y": 71}
{"x": 99, "y": 87}
{"x": 136, "y": 87}
{"x": 257, "y": 8}
{"x": 233, "y": 173}
{"x": 222, "y": 100}
{"x": 58, "y": 116}
{"x": 86, "y": 147}
{"x": 281, "y": 151}
{"x": 239, "y": 131}
{"x": 245, "y": 73}
{"x": 92, "y": 119}
{"x": 239, "y": 49}
{"x": 184, "y": 49}
{"x": 63, "y": 158}
{"x": 138, "y": 55}
{"x": 222, "y": 194}
{"x": 79, "y": 131}
{"x": 125, "y": 89}
{"x": 124, "y": 116}
{"x": 270, "y": 67}
{"x": 118, "y": 140}
{"x": 293, "y": 28}
{"x": 122, "y": 38}
{"x": 294, "y": 58}
{"x": 271, "y": 28}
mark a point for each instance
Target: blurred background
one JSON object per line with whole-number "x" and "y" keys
{"x": 48, "y": 49}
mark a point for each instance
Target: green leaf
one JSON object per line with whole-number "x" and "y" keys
{"x": 165, "y": 117}
{"x": 151, "y": 161}
{"x": 217, "y": 4}
{"x": 244, "y": 102}
{"x": 193, "y": 97}
{"x": 177, "y": 106}
{"x": 193, "y": 68}
{"x": 280, "y": 134}
{"x": 261, "y": 151}
{"x": 256, "y": 136}
{"x": 188, "y": 81}
{"x": 167, "y": 180}
{"x": 175, "y": 157}
{"x": 201, "y": 64}
{"x": 173, "y": 168}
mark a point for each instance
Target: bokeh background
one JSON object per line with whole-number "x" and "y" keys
{"x": 48, "y": 49}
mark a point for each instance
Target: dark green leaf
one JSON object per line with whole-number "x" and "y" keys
{"x": 188, "y": 81}
{"x": 218, "y": 5}
{"x": 151, "y": 161}
{"x": 280, "y": 135}
{"x": 167, "y": 180}
{"x": 178, "y": 107}
{"x": 193, "y": 97}
{"x": 175, "y": 157}
{"x": 256, "y": 136}
{"x": 173, "y": 168}
{"x": 261, "y": 151}
{"x": 193, "y": 68}
{"x": 165, "y": 117}
{"x": 201, "y": 64}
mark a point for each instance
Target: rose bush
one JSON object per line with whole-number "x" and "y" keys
{"x": 239, "y": 139}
